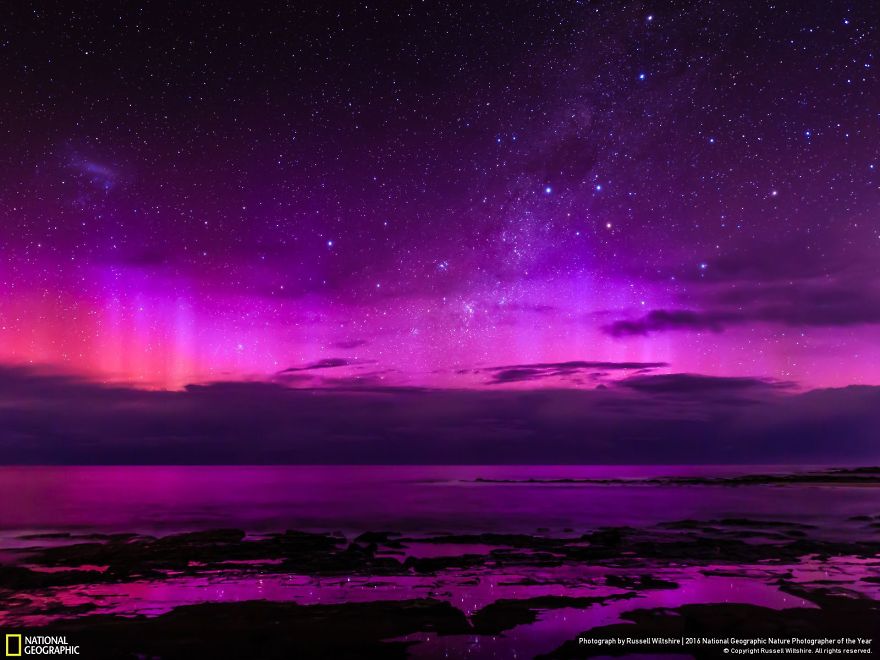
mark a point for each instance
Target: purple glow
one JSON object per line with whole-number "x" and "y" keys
{"x": 592, "y": 206}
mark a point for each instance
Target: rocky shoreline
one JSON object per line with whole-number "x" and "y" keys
{"x": 626, "y": 562}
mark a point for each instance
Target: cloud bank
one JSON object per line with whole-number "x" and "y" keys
{"x": 518, "y": 373}
{"x": 770, "y": 290}
{"x": 644, "y": 418}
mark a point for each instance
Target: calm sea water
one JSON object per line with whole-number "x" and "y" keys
{"x": 414, "y": 501}
{"x": 400, "y": 498}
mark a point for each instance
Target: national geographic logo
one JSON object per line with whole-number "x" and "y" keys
{"x": 18, "y": 645}
{"x": 13, "y": 646}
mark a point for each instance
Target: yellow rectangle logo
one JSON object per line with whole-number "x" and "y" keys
{"x": 13, "y": 646}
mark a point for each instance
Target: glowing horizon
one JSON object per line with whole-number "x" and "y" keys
{"x": 427, "y": 217}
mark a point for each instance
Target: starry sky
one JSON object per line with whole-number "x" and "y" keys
{"x": 518, "y": 195}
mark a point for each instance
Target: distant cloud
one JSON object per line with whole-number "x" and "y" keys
{"x": 352, "y": 343}
{"x": 686, "y": 384}
{"x": 326, "y": 363}
{"x": 826, "y": 302}
{"x": 800, "y": 311}
{"x": 315, "y": 375}
{"x": 667, "y": 418}
{"x": 536, "y": 371}
{"x": 791, "y": 284}
{"x": 661, "y": 320}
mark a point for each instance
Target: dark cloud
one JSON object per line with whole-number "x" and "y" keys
{"x": 518, "y": 375}
{"x": 790, "y": 284}
{"x": 528, "y": 372}
{"x": 688, "y": 384}
{"x": 326, "y": 363}
{"x": 349, "y": 344}
{"x": 849, "y": 309}
{"x": 827, "y": 302}
{"x": 670, "y": 418}
{"x": 779, "y": 262}
{"x": 660, "y": 320}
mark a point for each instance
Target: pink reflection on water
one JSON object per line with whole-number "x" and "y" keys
{"x": 554, "y": 627}
{"x": 425, "y": 500}
{"x": 468, "y": 590}
{"x": 409, "y": 499}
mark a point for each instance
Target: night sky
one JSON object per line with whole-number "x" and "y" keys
{"x": 442, "y": 196}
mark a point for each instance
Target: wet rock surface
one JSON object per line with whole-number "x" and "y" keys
{"x": 530, "y": 577}
{"x": 125, "y": 557}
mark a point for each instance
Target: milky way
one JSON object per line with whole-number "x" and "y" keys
{"x": 521, "y": 195}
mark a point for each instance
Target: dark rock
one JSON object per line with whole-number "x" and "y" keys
{"x": 261, "y": 629}
{"x": 506, "y": 613}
